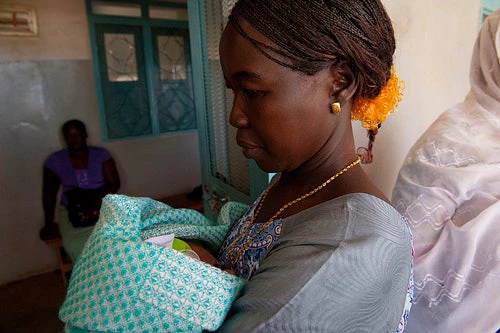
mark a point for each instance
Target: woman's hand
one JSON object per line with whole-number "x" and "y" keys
{"x": 208, "y": 257}
{"x": 203, "y": 253}
{"x": 49, "y": 231}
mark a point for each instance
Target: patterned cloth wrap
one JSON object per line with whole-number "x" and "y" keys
{"x": 121, "y": 283}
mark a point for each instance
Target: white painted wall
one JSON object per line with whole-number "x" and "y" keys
{"x": 30, "y": 120}
{"x": 63, "y": 33}
{"x": 435, "y": 40}
{"x": 434, "y": 47}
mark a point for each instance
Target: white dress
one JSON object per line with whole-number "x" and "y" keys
{"x": 449, "y": 190}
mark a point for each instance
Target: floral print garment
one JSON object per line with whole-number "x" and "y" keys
{"x": 248, "y": 264}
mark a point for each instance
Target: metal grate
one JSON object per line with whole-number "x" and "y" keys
{"x": 174, "y": 92}
{"x": 227, "y": 162}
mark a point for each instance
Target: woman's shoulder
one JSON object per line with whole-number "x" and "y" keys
{"x": 335, "y": 253}
{"x": 99, "y": 153}
{"x": 59, "y": 154}
{"x": 97, "y": 149}
{"x": 352, "y": 215}
{"x": 56, "y": 158}
{"x": 371, "y": 215}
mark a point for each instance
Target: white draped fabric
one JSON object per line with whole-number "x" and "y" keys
{"x": 449, "y": 189}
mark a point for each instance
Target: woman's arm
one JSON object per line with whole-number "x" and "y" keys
{"x": 354, "y": 290}
{"x": 111, "y": 177}
{"x": 333, "y": 270}
{"x": 50, "y": 188}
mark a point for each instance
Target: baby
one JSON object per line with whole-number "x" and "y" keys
{"x": 177, "y": 293}
{"x": 191, "y": 248}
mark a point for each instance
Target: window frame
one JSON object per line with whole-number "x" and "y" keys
{"x": 147, "y": 24}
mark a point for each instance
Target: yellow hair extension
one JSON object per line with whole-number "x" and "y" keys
{"x": 372, "y": 112}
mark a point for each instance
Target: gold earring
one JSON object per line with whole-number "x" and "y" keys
{"x": 336, "y": 107}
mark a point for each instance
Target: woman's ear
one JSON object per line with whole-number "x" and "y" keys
{"x": 343, "y": 84}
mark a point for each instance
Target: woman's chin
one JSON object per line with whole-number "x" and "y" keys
{"x": 252, "y": 153}
{"x": 266, "y": 166}
{"x": 263, "y": 160}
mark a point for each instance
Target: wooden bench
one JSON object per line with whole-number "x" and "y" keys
{"x": 64, "y": 261}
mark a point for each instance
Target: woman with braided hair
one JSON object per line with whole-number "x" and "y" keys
{"x": 322, "y": 248}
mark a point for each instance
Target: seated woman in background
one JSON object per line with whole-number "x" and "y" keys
{"x": 323, "y": 249}
{"x": 449, "y": 189}
{"x": 86, "y": 175}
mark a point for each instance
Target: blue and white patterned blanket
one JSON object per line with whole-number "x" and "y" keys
{"x": 121, "y": 283}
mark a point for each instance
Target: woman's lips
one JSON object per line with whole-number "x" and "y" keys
{"x": 250, "y": 152}
{"x": 248, "y": 149}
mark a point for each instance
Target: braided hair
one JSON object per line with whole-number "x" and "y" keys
{"x": 315, "y": 34}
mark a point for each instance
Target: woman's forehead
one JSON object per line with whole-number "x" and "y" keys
{"x": 248, "y": 29}
{"x": 233, "y": 41}
{"x": 238, "y": 53}
{"x": 72, "y": 129}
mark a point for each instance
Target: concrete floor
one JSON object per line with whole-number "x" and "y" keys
{"x": 31, "y": 305}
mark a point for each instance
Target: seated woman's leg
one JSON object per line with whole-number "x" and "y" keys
{"x": 74, "y": 239}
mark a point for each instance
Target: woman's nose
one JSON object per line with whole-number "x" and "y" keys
{"x": 237, "y": 117}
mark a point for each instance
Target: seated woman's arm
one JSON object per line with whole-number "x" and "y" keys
{"x": 51, "y": 184}
{"x": 111, "y": 177}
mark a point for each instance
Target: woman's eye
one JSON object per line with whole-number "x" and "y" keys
{"x": 253, "y": 93}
